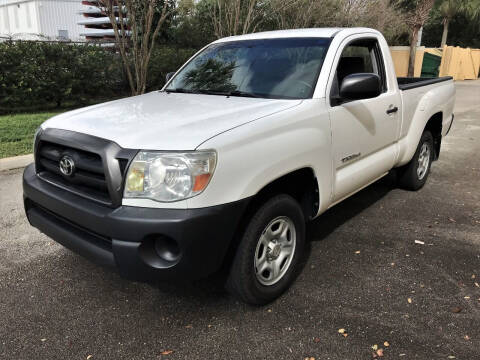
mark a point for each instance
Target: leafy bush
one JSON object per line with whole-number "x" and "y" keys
{"x": 165, "y": 59}
{"x": 36, "y": 73}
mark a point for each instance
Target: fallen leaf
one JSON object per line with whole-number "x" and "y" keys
{"x": 409, "y": 300}
{"x": 166, "y": 352}
{"x": 457, "y": 309}
{"x": 386, "y": 344}
{"x": 380, "y": 352}
{"x": 419, "y": 242}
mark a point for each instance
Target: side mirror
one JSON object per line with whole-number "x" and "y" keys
{"x": 360, "y": 86}
{"x": 169, "y": 76}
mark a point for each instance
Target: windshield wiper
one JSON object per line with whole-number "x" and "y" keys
{"x": 228, "y": 93}
{"x": 180, "y": 90}
{"x": 213, "y": 92}
{"x": 242, "y": 93}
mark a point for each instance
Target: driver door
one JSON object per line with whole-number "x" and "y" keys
{"x": 364, "y": 131}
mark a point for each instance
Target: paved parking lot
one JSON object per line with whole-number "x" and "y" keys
{"x": 365, "y": 273}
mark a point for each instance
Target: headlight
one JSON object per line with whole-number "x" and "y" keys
{"x": 168, "y": 177}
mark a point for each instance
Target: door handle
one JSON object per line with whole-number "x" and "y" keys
{"x": 392, "y": 110}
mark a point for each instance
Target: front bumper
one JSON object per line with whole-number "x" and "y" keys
{"x": 128, "y": 238}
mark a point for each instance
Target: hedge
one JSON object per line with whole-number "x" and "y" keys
{"x": 34, "y": 73}
{"x": 40, "y": 75}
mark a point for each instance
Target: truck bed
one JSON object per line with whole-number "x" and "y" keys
{"x": 406, "y": 83}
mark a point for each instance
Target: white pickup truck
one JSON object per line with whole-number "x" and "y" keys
{"x": 221, "y": 169}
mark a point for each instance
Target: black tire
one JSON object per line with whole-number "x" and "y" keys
{"x": 242, "y": 281}
{"x": 409, "y": 178}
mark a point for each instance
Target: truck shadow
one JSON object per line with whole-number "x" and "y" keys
{"x": 212, "y": 288}
{"x": 335, "y": 217}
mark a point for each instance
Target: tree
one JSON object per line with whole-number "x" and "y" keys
{"x": 234, "y": 17}
{"x": 192, "y": 25}
{"x": 417, "y": 13}
{"x": 448, "y": 10}
{"x": 237, "y": 17}
{"x": 136, "y": 24}
{"x": 463, "y": 27}
{"x": 294, "y": 14}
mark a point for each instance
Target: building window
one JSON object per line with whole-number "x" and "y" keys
{"x": 62, "y": 34}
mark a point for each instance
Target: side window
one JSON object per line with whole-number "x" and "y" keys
{"x": 359, "y": 56}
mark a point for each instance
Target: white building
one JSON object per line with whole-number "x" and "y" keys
{"x": 40, "y": 19}
{"x": 97, "y": 23}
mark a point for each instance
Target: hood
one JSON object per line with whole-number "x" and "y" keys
{"x": 161, "y": 121}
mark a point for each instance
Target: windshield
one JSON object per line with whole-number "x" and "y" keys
{"x": 272, "y": 68}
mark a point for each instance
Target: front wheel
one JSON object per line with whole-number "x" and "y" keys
{"x": 414, "y": 174}
{"x": 269, "y": 252}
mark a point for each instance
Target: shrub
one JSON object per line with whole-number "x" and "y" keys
{"x": 40, "y": 75}
{"x": 165, "y": 59}
{"x": 35, "y": 73}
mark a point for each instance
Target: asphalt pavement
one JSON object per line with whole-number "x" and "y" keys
{"x": 392, "y": 268}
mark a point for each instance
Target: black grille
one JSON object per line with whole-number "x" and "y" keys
{"x": 88, "y": 178}
{"x": 100, "y": 165}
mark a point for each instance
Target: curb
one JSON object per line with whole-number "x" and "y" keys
{"x": 15, "y": 162}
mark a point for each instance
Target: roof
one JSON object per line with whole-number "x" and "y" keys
{"x": 312, "y": 32}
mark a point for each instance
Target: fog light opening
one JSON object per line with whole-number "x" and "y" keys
{"x": 167, "y": 249}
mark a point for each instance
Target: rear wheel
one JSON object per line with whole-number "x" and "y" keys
{"x": 414, "y": 174}
{"x": 271, "y": 247}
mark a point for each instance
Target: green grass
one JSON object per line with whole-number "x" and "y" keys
{"x": 16, "y": 132}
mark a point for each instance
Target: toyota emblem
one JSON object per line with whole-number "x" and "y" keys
{"x": 67, "y": 165}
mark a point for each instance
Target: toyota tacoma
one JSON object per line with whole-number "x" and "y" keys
{"x": 221, "y": 169}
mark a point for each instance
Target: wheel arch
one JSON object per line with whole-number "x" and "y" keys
{"x": 301, "y": 184}
{"x": 434, "y": 125}
{"x": 409, "y": 143}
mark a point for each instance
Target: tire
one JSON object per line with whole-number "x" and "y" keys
{"x": 413, "y": 175}
{"x": 262, "y": 246}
